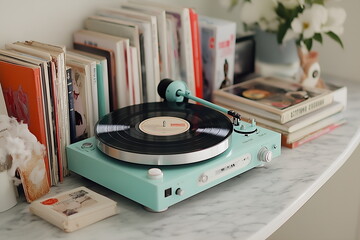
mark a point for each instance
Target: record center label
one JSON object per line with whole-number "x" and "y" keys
{"x": 164, "y": 126}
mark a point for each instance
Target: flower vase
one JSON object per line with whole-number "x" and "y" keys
{"x": 273, "y": 58}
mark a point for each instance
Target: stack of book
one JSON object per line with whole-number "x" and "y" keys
{"x": 299, "y": 113}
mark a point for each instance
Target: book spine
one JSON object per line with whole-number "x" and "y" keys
{"x": 72, "y": 121}
{"x": 303, "y": 109}
{"x": 196, "y": 53}
{"x": 55, "y": 118}
{"x": 310, "y": 137}
{"x": 188, "y": 50}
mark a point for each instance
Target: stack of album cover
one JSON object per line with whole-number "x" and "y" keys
{"x": 299, "y": 113}
{"x": 144, "y": 42}
{"x": 35, "y": 86}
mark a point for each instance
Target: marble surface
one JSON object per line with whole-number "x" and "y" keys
{"x": 250, "y": 206}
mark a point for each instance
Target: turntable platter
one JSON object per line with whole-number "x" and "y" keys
{"x": 164, "y": 133}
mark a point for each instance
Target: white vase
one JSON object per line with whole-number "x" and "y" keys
{"x": 274, "y": 59}
{"x": 7, "y": 192}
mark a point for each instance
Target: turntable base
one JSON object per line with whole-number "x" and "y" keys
{"x": 158, "y": 187}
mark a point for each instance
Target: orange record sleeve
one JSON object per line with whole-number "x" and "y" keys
{"x": 23, "y": 97}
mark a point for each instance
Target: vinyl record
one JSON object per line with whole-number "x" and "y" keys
{"x": 164, "y": 133}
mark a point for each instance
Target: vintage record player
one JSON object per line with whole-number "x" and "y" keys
{"x": 159, "y": 154}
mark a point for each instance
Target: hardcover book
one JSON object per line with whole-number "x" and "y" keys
{"x": 273, "y": 98}
{"x": 74, "y": 209}
{"x": 295, "y": 124}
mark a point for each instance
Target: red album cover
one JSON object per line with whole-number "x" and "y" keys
{"x": 24, "y": 101}
{"x": 195, "y": 35}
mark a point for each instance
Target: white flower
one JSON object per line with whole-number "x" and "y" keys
{"x": 292, "y": 3}
{"x": 335, "y": 21}
{"x": 261, "y": 12}
{"x": 310, "y": 21}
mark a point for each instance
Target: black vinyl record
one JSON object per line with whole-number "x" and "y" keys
{"x": 164, "y": 133}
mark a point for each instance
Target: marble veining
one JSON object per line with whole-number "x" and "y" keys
{"x": 250, "y": 206}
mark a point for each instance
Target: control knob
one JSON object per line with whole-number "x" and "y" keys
{"x": 265, "y": 155}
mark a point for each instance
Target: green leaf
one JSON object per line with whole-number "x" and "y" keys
{"x": 336, "y": 38}
{"x": 282, "y": 31}
{"x": 308, "y": 43}
{"x": 318, "y": 37}
{"x": 281, "y": 11}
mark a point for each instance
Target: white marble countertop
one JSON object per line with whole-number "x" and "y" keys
{"x": 250, "y": 206}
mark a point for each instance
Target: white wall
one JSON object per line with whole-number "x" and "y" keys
{"x": 54, "y": 21}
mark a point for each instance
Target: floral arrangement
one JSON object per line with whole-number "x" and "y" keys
{"x": 303, "y": 20}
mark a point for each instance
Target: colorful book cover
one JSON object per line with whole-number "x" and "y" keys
{"x": 24, "y": 101}
{"x": 195, "y": 35}
{"x": 218, "y": 38}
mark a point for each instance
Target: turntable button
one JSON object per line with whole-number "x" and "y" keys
{"x": 203, "y": 178}
{"x": 179, "y": 192}
{"x": 155, "y": 173}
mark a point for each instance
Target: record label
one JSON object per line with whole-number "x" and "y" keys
{"x": 164, "y": 126}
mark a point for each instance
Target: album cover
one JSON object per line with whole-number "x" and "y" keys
{"x": 102, "y": 81}
{"x": 25, "y": 100}
{"x": 82, "y": 98}
{"x": 111, "y": 74}
{"x": 218, "y": 39}
{"x": 93, "y": 81}
{"x": 274, "y": 98}
{"x": 74, "y": 209}
{"x": 120, "y": 47}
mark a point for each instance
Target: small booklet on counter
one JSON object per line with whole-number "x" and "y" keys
{"x": 74, "y": 209}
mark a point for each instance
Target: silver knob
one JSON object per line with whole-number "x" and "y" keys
{"x": 265, "y": 155}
